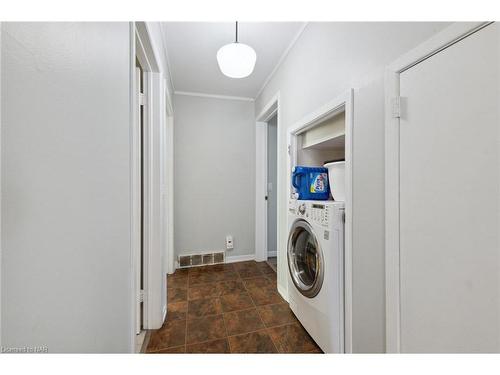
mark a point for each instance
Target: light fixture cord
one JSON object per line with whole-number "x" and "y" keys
{"x": 236, "y": 32}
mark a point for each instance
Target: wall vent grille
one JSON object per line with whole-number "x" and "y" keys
{"x": 201, "y": 259}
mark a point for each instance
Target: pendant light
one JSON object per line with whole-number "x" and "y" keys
{"x": 236, "y": 60}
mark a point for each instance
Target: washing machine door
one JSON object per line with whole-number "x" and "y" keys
{"x": 305, "y": 259}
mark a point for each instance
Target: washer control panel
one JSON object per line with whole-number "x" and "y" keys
{"x": 316, "y": 212}
{"x": 319, "y": 213}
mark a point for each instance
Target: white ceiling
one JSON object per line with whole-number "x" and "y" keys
{"x": 192, "y": 47}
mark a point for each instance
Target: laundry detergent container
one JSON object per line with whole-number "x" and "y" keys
{"x": 336, "y": 177}
{"x": 311, "y": 183}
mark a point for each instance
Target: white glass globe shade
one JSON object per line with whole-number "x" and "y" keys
{"x": 236, "y": 60}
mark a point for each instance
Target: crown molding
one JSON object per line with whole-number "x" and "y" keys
{"x": 213, "y": 96}
{"x": 282, "y": 58}
{"x": 167, "y": 60}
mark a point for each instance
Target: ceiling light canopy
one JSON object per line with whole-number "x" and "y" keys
{"x": 236, "y": 60}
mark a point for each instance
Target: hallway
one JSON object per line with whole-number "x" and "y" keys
{"x": 228, "y": 308}
{"x": 232, "y": 186}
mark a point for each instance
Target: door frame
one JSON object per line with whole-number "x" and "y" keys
{"x": 261, "y": 205}
{"x": 168, "y": 182}
{"x": 449, "y": 36}
{"x": 157, "y": 102}
{"x": 344, "y": 102}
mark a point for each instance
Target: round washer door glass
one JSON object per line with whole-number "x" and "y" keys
{"x": 305, "y": 259}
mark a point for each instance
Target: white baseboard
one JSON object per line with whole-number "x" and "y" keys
{"x": 240, "y": 258}
{"x": 272, "y": 253}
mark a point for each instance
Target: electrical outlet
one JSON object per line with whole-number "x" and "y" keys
{"x": 229, "y": 242}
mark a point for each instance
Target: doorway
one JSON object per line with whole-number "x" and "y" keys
{"x": 266, "y": 141}
{"x": 271, "y": 197}
{"x": 271, "y": 114}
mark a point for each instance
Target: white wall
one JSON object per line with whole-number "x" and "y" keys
{"x": 327, "y": 60}
{"x": 214, "y": 174}
{"x": 66, "y": 262}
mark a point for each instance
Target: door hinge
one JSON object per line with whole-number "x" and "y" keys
{"x": 142, "y": 99}
{"x": 288, "y": 149}
{"x": 141, "y": 295}
{"x": 396, "y": 107}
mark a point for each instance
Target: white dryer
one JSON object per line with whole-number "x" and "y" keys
{"x": 315, "y": 256}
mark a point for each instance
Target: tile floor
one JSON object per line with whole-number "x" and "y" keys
{"x": 228, "y": 308}
{"x": 273, "y": 262}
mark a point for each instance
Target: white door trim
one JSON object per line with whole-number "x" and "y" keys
{"x": 169, "y": 183}
{"x": 437, "y": 43}
{"x": 270, "y": 109}
{"x": 154, "y": 119}
{"x": 344, "y": 102}
{"x": 153, "y": 273}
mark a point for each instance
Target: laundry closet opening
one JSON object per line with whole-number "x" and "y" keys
{"x": 322, "y": 143}
{"x": 319, "y": 221}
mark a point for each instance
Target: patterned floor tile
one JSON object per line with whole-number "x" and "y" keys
{"x": 174, "y": 350}
{"x": 265, "y": 296}
{"x": 178, "y": 282}
{"x": 203, "y": 307}
{"x": 258, "y": 282}
{"x": 176, "y": 295}
{"x": 275, "y": 315}
{"x": 228, "y": 308}
{"x": 177, "y": 310}
{"x": 235, "y": 301}
{"x": 203, "y": 291}
{"x": 205, "y": 329}
{"x": 242, "y": 321}
{"x": 292, "y": 338}
{"x": 214, "y": 346}
{"x": 255, "y": 342}
{"x": 173, "y": 333}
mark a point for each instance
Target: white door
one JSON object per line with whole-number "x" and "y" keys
{"x": 450, "y": 199}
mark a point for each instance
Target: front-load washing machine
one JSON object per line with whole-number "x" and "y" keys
{"x": 315, "y": 256}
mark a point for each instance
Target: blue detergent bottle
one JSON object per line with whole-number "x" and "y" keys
{"x": 311, "y": 183}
